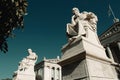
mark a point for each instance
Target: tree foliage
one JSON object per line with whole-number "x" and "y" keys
{"x": 11, "y": 17}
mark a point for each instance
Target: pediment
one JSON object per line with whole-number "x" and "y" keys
{"x": 114, "y": 29}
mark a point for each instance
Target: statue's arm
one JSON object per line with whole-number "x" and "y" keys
{"x": 73, "y": 20}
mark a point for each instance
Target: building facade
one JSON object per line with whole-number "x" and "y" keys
{"x": 110, "y": 39}
{"x": 48, "y": 69}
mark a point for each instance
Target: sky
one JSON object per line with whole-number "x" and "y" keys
{"x": 45, "y": 29}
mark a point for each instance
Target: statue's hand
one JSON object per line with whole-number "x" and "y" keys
{"x": 73, "y": 17}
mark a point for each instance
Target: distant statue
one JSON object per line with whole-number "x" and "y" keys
{"x": 26, "y": 67}
{"x": 32, "y": 56}
{"x": 28, "y": 61}
{"x": 83, "y": 24}
{"x": 80, "y": 22}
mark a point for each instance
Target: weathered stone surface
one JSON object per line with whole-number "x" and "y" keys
{"x": 75, "y": 70}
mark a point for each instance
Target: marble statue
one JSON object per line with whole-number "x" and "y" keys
{"x": 28, "y": 61}
{"x": 26, "y": 67}
{"x": 80, "y": 23}
{"x": 84, "y": 49}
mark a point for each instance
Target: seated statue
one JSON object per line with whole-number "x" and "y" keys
{"x": 32, "y": 55}
{"x": 26, "y": 67}
{"x": 28, "y": 61}
{"x": 80, "y": 22}
{"x": 73, "y": 28}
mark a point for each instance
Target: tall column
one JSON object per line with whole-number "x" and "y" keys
{"x": 118, "y": 43}
{"x": 110, "y": 53}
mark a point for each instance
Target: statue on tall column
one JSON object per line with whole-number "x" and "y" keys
{"x": 80, "y": 23}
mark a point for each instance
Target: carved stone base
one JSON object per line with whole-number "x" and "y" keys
{"x": 89, "y": 69}
{"x": 81, "y": 45}
{"x": 24, "y": 76}
{"x": 84, "y": 60}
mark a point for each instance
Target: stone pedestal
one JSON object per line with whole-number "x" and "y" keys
{"x": 24, "y": 76}
{"x": 25, "y": 73}
{"x": 84, "y": 60}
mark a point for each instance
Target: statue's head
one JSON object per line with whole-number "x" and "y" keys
{"x": 29, "y": 50}
{"x": 75, "y": 10}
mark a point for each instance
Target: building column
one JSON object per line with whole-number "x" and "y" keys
{"x": 56, "y": 73}
{"x": 118, "y": 43}
{"x": 110, "y": 53}
{"x": 60, "y": 76}
{"x": 46, "y": 72}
